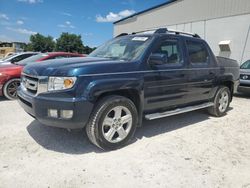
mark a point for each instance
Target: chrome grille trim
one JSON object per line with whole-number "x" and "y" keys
{"x": 34, "y": 85}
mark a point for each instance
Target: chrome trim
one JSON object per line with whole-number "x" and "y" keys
{"x": 178, "y": 111}
{"x": 41, "y": 86}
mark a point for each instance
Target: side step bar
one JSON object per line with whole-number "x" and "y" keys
{"x": 177, "y": 111}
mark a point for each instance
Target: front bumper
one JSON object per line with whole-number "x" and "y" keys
{"x": 37, "y": 106}
{"x": 244, "y": 86}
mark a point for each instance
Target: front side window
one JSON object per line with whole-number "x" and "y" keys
{"x": 171, "y": 49}
{"x": 20, "y": 57}
{"x": 126, "y": 48}
{"x": 197, "y": 52}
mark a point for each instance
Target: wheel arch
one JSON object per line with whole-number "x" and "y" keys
{"x": 230, "y": 85}
{"x": 134, "y": 95}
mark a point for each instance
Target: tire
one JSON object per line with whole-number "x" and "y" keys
{"x": 10, "y": 88}
{"x": 112, "y": 123}
{"x": 221, "y": 102}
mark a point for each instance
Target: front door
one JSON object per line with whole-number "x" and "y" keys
{"x": 166, "y": 84}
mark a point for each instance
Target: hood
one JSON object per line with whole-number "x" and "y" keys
{"x": 6, "y": 66}
{"x": 245, "y": 71}
{"x": 78, "y": 66}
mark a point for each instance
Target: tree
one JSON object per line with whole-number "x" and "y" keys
{"x": 88, "y": 50}
{"x": 41, "y": 43}
{"x": 69, "y": 43}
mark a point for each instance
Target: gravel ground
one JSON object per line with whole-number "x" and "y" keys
{"x": 187, "y": 150}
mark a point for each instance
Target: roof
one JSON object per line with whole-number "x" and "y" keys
{"x": 149, "y": 9}
{"x": 63, "y": 53}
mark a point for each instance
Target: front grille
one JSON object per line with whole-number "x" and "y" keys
{"x": 30, "y": 83}
{"x": 245, "y": 77}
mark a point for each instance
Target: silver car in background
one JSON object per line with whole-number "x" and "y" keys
{"x": 244, "y": 77}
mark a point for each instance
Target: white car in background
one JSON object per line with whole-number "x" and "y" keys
{"x": 17, "y": 57}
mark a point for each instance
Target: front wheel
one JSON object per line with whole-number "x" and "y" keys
{"x": 221, "y": 102}
{"x": 10, "y": 88}
{"x": 112, "y": 123}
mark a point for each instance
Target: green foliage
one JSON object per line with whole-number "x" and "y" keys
{"x": 41, "y": 43}
{"x": 69, "y": 43}
{"x": 65, "y": 43}
{"x": 28, "y": 47}
{"x": 88, "y": 50}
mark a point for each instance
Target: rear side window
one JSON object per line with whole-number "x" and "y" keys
{"x": 197, "y": 52}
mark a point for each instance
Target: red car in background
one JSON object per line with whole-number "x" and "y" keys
{"x": 10, "y": 73}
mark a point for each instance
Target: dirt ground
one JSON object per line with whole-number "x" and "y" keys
{"x": 187, "y": 150}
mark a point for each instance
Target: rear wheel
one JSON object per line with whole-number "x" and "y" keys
{"x": 113, "y": 123}
{"x": 10, "y": 88}
{"x": 221, "y": 102}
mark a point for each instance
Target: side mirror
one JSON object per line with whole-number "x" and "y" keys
{"x": 158, "y": 59}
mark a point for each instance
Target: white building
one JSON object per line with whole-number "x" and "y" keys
{"x": 224, "y": 24}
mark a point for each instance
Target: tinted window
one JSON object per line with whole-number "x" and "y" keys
{"x": 197, "y": 52}
{"x": 20, "y": 57}
{"x": 171, "y": 49}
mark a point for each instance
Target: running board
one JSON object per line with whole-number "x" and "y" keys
{"x": 178, "y": 111}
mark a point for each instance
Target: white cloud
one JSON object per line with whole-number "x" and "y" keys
{"x": 66, "y": 14}
{"x": 112, "y": 17}
{"x": 31, "y": 1}
{"x": 19, "y": 22}
{"x": 4, "y": 16}
{"x": 87, "y": 34}
{"x": 22, "y": 31}
{"x": 67, "y": 24}
{"x": 61, "y": 25}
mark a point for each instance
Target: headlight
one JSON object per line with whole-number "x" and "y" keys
{"x": 61, "y": 83}
{"x": 2, "y": 74}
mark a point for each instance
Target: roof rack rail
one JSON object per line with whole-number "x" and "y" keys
{"x": 122, "y": 34}
{"x": 163, "y": 30}
{"x": 177, "y": 32}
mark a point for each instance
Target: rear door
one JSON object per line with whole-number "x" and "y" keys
{"x": 202, "y": 70}
{"x": 166, "y": 84}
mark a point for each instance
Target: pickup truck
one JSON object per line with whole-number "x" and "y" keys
{"x": 133, "y": 76}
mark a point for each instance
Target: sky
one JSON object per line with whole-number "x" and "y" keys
{"x": 92, "y": 19}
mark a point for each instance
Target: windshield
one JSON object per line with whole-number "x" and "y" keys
{"x": 31, "y": 59}
{"x": 246, "y": 65}
{"x": 125, "y": 48}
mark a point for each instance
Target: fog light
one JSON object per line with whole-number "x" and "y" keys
{"x": 52, "y": 113}
{"x": 66, "y": 114}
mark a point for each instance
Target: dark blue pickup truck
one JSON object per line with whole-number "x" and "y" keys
{"x": 133, "y": 76}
